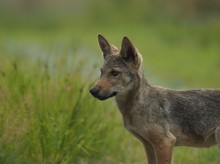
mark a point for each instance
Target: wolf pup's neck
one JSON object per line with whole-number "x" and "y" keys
{"x": 127, "y": 100}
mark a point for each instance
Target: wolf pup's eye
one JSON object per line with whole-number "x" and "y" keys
{"x": 114, "y": 73}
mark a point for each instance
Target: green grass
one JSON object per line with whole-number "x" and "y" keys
{"x": 51, "y": 118}
{"x": 48, "y": 65}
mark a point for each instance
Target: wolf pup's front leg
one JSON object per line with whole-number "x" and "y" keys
{"x": 164, "y": 151}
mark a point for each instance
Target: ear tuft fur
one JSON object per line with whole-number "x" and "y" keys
{"x": 106, "y": 47}
{"x": 129, "y": 53}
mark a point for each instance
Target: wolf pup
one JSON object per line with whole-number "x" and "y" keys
{"x": 160, "y": 118}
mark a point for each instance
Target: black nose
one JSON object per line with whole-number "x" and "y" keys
{"x": 94, "y": 91}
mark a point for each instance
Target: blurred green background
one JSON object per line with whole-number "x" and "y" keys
{"x": 49, "y": 58}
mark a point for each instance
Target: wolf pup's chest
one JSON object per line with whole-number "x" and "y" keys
{"x": 144, "y": 120}
{"x": 134, "y": 122}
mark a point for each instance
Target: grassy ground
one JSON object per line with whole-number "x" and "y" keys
{"x": 51, "y": 118}
{"x": 48, "y": 116}
{"x": 46, "y": 112}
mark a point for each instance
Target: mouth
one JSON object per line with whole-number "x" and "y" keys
{"x": 101, "y": 97}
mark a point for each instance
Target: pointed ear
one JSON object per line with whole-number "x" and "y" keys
{"x": 129, "y": 53}
{"x": 106, "y": 47}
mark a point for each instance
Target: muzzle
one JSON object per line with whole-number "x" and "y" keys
{"x": 97, "y": 92}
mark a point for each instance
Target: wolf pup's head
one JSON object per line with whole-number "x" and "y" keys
{"x": 120, "y": 72}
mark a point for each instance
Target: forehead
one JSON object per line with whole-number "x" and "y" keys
{"x": 114, "y": 61}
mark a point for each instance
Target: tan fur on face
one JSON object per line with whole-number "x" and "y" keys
{"x": 104, "y": 84}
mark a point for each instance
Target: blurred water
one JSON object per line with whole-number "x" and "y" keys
{"x": 55, "y": 56}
